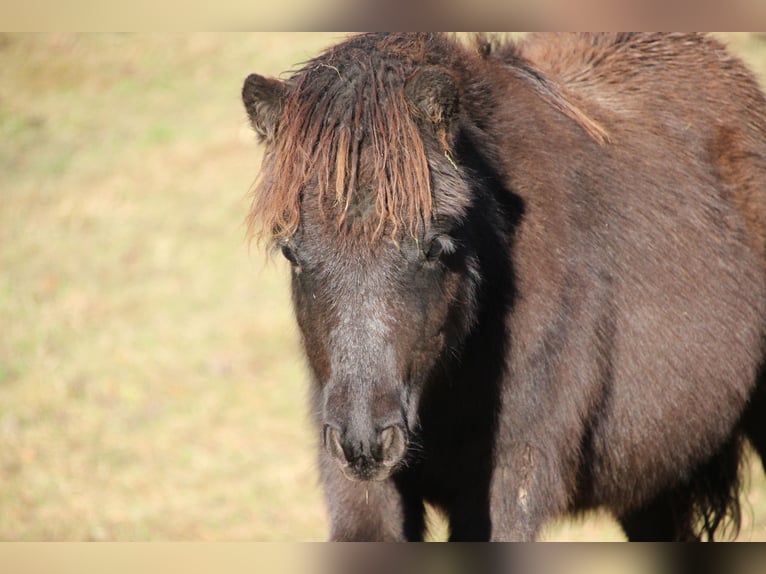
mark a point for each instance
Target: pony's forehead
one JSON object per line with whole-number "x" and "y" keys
{"x": 349, "y": 146}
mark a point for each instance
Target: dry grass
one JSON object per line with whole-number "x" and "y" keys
{"x": 150, "y": 380}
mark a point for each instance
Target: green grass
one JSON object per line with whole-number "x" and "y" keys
{"x": 151, "y": 385}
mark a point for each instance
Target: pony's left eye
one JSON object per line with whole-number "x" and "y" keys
{"x": 439, "y": 247}
{"x": 435, "y": 250}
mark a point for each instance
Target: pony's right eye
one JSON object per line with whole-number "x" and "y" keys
{"x": 289, "y": 254}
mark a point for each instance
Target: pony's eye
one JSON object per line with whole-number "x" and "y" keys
{"x": 289, "y": 255}
{"x": 440, "y": 247}
{"x": 435, "y": 250}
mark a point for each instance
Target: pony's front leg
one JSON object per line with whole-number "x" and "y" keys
{"x": 370, "y": 511}
{"x": 523, "y": 496}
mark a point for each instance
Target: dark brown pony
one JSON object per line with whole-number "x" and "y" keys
{"x": 529, "y": 277}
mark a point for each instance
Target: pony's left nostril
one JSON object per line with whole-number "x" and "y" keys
{"x": 387, "y": 438}
{"x": 393, "y": 444}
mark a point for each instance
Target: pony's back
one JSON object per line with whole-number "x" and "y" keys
{"x": 686, "y": 86}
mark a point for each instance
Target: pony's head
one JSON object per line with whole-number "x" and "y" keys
{"x": 361, "y": 191}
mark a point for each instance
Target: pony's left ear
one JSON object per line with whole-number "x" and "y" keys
{"x": 264, "y": 100}
{"x": 433, "y": 95}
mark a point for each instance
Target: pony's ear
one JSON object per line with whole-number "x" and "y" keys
{"x": 433, "y": 94}
{"x": 264, "y": 99}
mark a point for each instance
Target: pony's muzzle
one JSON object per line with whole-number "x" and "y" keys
{"x": 366, "y": 456}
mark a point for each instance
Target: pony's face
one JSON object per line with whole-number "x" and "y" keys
{"x": 374, "y": 323}
{"x": 370, "y": 218}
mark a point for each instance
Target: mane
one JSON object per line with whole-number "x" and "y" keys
{"x": 516, "y": 57}
{"x": 346, "y": 123}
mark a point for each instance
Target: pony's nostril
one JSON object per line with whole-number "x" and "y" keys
{"x": 332, "y": 443}
{"x": 393, "y": 444}
{"x": 387, "y": 438}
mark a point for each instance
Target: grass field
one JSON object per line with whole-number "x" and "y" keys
{"x": 151, "y": 384}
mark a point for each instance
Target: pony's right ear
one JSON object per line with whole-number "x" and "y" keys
{"x": 264, "y": 100}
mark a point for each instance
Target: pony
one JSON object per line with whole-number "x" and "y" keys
{"x": 529, "y": 277}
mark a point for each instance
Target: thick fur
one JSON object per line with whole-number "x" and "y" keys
{"x": 572, "y": 319}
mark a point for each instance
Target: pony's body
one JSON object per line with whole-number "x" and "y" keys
{"x": 543, "y": 292}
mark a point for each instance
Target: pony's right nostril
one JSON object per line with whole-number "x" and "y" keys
{"x": 332, "y": 443}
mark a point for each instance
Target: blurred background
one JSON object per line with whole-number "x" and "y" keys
{"x": 151, "y": 381}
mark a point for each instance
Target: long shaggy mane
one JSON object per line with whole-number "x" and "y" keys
{"x": 346, "y": 123}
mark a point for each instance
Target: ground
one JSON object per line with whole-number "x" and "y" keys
{"x": 151, "y": 383}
